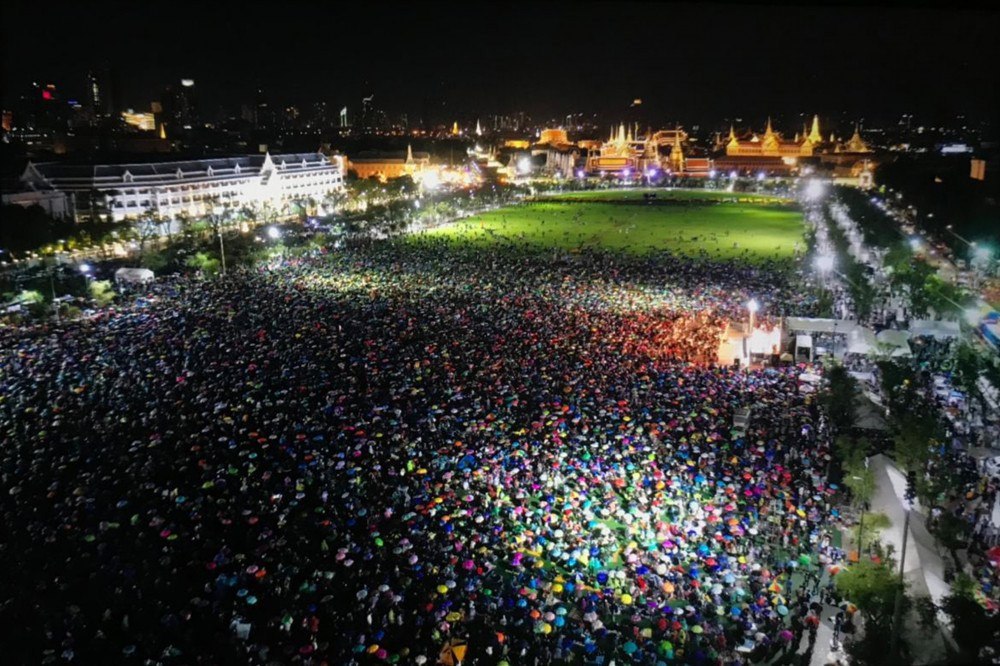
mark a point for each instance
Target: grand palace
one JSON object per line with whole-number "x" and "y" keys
{"x": 628, "y": 152}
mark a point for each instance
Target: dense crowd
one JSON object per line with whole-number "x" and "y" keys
{"x": 369, "y": 456}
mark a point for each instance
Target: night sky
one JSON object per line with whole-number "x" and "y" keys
{"x": 686, "y": 62}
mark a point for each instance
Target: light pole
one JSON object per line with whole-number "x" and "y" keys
{"x": 949, "y": 229}
{"x": 218, "y": 212}
{"x": 52, "y": 287}
{"x": 752, "y": 306}
{"x": 86, "y": 271}
{"x": 897, "y": 614}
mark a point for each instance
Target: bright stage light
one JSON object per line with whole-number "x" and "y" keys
{"x": 273, "y": 233}
{"x": 430, "y": 180}
{"x": 524, "y": 165}
{"x": 753, "y": 305}
{"x": 825, "y": 262}
{"x": 815, "y": 190}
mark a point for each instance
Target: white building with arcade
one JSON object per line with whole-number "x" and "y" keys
{"x": 189, "y": 187}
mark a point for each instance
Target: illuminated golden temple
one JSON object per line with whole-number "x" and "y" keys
{"x": 627, "y": 152}
{"x": 772, "y": 144}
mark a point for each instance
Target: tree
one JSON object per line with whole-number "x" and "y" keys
{"x": 900, "y": 386}
{"x": 204, "y": 263}
{"x": 972, "y": 628}
{"x": 915, "y": 434}
{"x": 839, "y": 397}
{"x": 25, "y": 229}
{"x": 333, "y": 200}
{"x": 968, "y": 366}
{"x": 911, "y": 278}
{"x": 101, "y": 292}
{"x": 872, "y": 587}
{"x": 146, "y": 228}
{"x": 858, "y": 477}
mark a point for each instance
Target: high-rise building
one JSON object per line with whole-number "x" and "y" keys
{"x": 343, "y": 117}
{"x": 95, "y": 99}
{"x": 262, "y": 111}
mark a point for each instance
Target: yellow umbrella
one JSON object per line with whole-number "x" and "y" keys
{"x": 453, "y": 652}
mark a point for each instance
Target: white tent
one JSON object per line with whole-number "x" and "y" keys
{"x": 941, "y": 330}
{"x": 894, "y": 337}
{"x": 861, "y": 341}
{"x": 819, "y": 325}
{"x": 133, "y": 276}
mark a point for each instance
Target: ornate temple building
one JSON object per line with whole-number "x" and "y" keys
{"x": 851, "y": 162}
{"x": 772, "y": 144}
{"x": 386, "y": 166}
{"x": 627, "y": 152}
{"x": 769, "y": 153}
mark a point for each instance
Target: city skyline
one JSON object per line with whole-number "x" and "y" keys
{"x": 443, "y": 62}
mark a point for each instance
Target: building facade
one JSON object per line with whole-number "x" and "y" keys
{"x": 772, "y": 144}
{"x": 628, "y": 153}
{"x": 386, "y": 166}
{"x": 169, "y": 189}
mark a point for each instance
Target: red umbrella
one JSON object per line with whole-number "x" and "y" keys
{"x": 993, "y": 554}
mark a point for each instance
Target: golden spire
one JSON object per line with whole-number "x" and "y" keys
{"x": 732, "y": 132}
{"x": 814, "y": 135}
{"x": 768, "y": 131}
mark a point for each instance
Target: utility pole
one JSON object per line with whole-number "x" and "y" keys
{"x": 222, "y": 252}
{"x": 52, "y": 287}
{"x": 897, "y": 614}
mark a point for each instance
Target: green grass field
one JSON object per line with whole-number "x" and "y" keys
{"x": 751, "y": 231}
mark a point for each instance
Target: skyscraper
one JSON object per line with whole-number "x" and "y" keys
{"x": 94, "y": 96}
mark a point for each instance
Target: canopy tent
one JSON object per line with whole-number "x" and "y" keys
{"x": 819, "y": 325}
{"x": 894, "y": 338}
{"x": 989, "y": 326}
{"x": 941, "y": 330}
{"x": 861, "y": 341}
{"x": 134, "y": 275}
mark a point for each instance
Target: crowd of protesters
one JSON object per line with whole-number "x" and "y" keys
{"x": 368, "y": 456}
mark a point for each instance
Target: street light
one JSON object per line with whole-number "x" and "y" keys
{"x": 815, "y": 190}
{"x": 218, "y": 211}
{"x": 825, "y": 263}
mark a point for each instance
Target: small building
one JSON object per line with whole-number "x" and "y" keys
{"x": 386, "y": 166}
{"x": 55, "y": 203}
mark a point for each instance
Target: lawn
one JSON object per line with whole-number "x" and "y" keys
{"x": 722, "y": 231}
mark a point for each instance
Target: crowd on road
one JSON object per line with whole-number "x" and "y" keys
{"x": 406, "y": 447}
